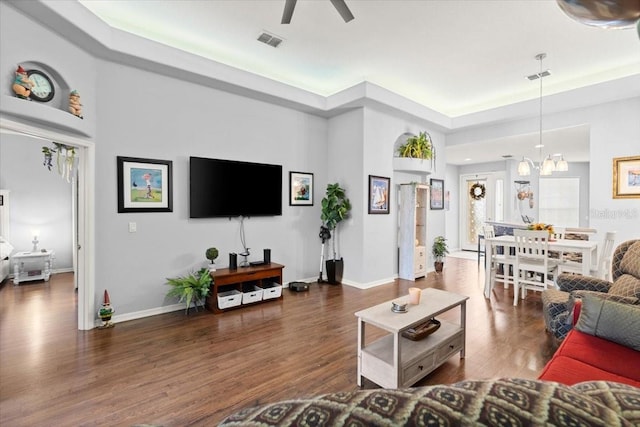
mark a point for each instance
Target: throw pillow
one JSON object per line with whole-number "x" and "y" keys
{"x": 610, "y": 320}
{"x": 626, "y": 285}
{"x": 630, "y": 263}
{"x": 577, "y": 295}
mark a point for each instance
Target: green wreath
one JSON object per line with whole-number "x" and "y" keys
{"x": 477, "y": 191}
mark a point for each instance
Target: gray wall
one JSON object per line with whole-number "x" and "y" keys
{"x": 172, "y": 120}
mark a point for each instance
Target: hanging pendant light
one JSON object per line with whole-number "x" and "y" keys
{"x": 562, "y": 165}
{"x": 523, "y": 168}
{"x": 547, "y": 165}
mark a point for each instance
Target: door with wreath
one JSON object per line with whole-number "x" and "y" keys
{"x": 482, "y": 199}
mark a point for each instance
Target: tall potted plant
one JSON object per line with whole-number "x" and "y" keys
{"x": 335, "y": 208}
{"x": 439, "y": 251}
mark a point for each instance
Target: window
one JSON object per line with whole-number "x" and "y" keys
{"x": 560, "y": 201}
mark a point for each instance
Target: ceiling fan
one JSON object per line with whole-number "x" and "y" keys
{"x": 340, "y": 6}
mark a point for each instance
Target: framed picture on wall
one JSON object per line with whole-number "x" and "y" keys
{"x": 379, "y": 194}
{"x": 626, "y": 177}
{"x": 437, "y": 194}
{"x": 144, "y": 185}
{"x": 300, "y": 189}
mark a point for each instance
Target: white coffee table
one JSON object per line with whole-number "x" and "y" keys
{"x": 394, "y": 361}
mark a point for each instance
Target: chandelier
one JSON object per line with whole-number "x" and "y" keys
{"x": 548, "y": 165}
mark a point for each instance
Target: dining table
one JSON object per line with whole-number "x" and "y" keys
{"x": 587, "y": 248}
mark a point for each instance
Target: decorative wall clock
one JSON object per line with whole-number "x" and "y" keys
{"x": 43, "y": 90}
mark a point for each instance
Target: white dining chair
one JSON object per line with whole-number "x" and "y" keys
{"x": 532, "y": 264}
{"x": 603, "y": 269}
{"x": 558, "y": 234}
{"x": 501, "y": 265}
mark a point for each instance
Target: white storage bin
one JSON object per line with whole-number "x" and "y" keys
{"x": 271, "y": 290}
{"x": 229, "y": 299}
{"x": 250, "y": 295}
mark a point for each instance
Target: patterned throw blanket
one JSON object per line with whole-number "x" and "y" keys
{"x": 502, "y": 402}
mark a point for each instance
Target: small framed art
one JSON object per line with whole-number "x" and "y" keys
{"x": 300, "y": 189}
{"x": 437, "y": 194}
{"x": 626, "y": 177}
{"x": 144, "y": 185}
{"x": 379, "y": 194}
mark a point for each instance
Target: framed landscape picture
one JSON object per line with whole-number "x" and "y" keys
{"x": 300, "y": 189}
{"x": 379, "y": 194}
{"x": 437, "y": 194}
{"x": 626, "y": 177}
{"x": 144, "y": 185}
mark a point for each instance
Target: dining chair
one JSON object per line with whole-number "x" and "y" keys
{"x": 532, "y": 264}
{"x": 501, "y": 265}
{"x": 558, "y": 234}
{"x": 603, "y": 269}
{"x": 481, "y": 247}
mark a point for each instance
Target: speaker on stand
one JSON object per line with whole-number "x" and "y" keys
{"x": 267, "y": 256}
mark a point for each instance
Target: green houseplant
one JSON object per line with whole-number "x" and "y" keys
{"x": 212, "y": 254}
{"x": 418, "y": 147}
{"x": 193, "y": 287}
{"x": 335, "y": 208}
{"x": 439, "y": 251}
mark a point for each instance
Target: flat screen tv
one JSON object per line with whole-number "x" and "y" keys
{"x": 229, "y": 188}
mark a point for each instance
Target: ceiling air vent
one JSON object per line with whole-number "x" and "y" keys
{"x": 269, "y": 39}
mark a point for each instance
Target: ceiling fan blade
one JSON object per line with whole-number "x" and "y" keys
{"x": 288, "y": 11}
{"x": 342, "y": 9}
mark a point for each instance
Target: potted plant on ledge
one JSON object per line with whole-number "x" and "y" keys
{"x": 193, "y": 287}
{"x": 439, "y": 251}
{"x": 335, "y": 208}
{"x": 411, "y": 154}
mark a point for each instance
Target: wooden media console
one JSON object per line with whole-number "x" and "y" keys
{"x": 245, "y": 285}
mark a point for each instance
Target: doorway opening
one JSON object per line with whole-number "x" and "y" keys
{"x": 482, "y": 199}
{"x": 84, "y": 224}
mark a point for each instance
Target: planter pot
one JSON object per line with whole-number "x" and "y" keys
{"x": 439, "y": 265}
{"x": 411, "y": 165}
{"x": 335, "y": 268}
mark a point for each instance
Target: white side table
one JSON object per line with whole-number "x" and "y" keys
{"x": 29, "y": 265}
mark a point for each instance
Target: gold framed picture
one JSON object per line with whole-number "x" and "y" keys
{"x": 626, "y": 177}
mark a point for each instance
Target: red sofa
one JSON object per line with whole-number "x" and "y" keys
{"x": 584, "y": 357}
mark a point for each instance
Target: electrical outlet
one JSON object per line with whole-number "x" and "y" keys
{"x": 133, "y": 227}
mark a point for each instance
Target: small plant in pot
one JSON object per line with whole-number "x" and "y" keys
{"x": 193, "y": 287}
{"x": 212, "y": 254}
{"x": 439, "y": 251}
{"x": 335, "y": 208}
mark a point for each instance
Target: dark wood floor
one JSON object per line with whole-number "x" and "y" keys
{"x": 177, "y": 370}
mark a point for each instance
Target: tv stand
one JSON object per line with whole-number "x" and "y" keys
{"x": 225, "y": 280}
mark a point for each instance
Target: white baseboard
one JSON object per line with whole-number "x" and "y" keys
{"x": 144, "y": 313}
{"x": 175, "y": 307}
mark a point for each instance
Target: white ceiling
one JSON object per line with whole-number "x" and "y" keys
{"x": 455, "y": 57}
